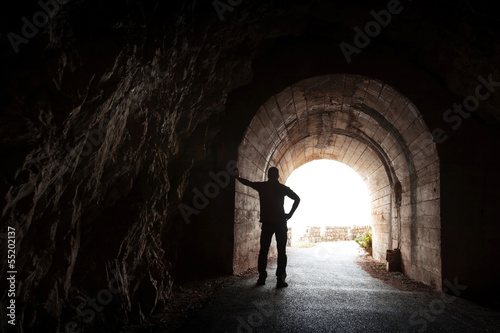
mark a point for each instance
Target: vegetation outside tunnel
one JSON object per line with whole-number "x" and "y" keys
{"x": 365, "y": 241}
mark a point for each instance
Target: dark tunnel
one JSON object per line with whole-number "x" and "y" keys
{"x": 122, "y": 124}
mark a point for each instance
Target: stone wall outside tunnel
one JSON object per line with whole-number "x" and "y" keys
{"x": 368, "y": 126}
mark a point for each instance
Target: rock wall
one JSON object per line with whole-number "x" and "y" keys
{"x": 111, "y": 115}
{"x": 100, "y": 111}
{"x": 333, "y": 234}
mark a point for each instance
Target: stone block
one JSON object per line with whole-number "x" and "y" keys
{"x": 380, "y": 191}
{"x": 370, "y": 127}
{"x": 360, "y": 149}
{"x": 265, "y": 120}
{"x": 397, "y": 107}
{"x": 285, "y": 98}
{"x": 430, "y": 191}
{"x": 386, "y": 97}
{"x": 261, "y": 131}
{"x": 423, "y": 141}
{"x": 395, "y": 150}
{"x": 275, "y": 116}
{"x": 341, "y": 120}
{"x": 432, "y": 222}
{"x": 429, "y": 238}
{"x": 428, "y": 208}
{"x": 353, "y": 145}
{"x": 425, "y": 157}
{"x": 388, "y": 142}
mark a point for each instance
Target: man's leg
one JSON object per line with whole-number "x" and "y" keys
{"x": 281, "y": 239}
{"x": 266, "y": 235}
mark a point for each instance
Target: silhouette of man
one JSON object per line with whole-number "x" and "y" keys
{"x": 273, "y": 218}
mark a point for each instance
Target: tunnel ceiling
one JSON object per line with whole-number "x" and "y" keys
{"x": 352, "y": 119}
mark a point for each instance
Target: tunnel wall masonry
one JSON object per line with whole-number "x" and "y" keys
{"x": 377, "y": 132}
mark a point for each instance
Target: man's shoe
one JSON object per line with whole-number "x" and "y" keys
{"x": 281, "y": 284}
{"x": 261, "y": 282}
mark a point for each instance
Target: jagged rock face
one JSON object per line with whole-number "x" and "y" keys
{"x": 102, "y": 134}
{"x": 112, "y": 113}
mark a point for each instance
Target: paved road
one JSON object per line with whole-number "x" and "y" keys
{"x": 329, "y": 292}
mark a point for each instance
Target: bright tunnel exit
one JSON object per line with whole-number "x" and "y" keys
{"x": 331, "y": 194}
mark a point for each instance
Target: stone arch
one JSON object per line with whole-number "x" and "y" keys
{"x": 369, "y": 126}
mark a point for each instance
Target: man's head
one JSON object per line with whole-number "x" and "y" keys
{"x": 273, "y": 173}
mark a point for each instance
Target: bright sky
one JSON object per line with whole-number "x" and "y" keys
{"x": 331, "y": 194}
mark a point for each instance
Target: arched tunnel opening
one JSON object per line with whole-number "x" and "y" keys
{"x": 332, "y": 196}
{"x": 368, "y": 126}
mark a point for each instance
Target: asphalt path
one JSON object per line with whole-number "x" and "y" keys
{"x": 329, "y": 292}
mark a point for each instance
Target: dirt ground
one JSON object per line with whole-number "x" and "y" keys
{"x": 187, "y": 298}
{"x": 396, "y": 279}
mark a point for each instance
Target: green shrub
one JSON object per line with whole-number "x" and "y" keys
{"x": 365, "y": 241}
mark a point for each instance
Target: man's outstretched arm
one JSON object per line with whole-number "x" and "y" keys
{"x": 296, "y": 201}
{"x": 243, "y": 180}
